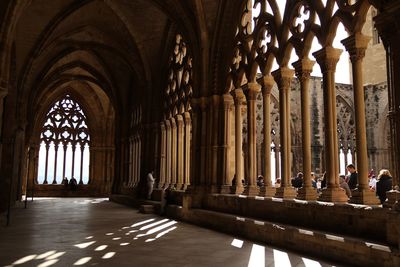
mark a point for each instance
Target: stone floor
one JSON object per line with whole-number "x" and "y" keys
{"x": 96, "y": 232}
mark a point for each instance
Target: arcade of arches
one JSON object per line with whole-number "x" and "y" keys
{"x": 209, "y": 95}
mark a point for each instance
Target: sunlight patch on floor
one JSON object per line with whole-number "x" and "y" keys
{"x": 82, "y": 261}
{"x": 237, "y": 243}
{"x": 257, "y": 256}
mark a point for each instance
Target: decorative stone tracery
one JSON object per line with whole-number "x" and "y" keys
{"x": 176, "y": 127}
{"x": 65, "y": 128}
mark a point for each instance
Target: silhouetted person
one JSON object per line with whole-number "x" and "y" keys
{"x": 383, "y": 184}
{"x": 353, "y": 181}
{"x": 323, "y": 181}
{"x": 297, "y": 182}
{"x": 150, "y": 184}
{"x": 73, "y": 184}
{"x": 65, "y": 182}
{"x": 260, "y": 181}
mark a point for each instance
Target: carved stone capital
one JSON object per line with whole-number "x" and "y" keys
{"x": 356, "y": 45}
{"x": 162, "y": 126}
{"x": 327, "y": 58}
{"x": 267, "y": 84}
{"x": 283, "y": 77}
{"x": 303, "y": 68}
{"x": 252, "y": 90}
{"x": 187, "y": 118}
{"x": 227, "y": 101}
{"x": 168, "y": 124}
{"x": 179, "y": 120}
{"x": 238, "y": 96}
{"x": 173, "y": 123}
{"x": 387, "y": 22}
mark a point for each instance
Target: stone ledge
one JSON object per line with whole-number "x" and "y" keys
{"x": 348, "y": 250}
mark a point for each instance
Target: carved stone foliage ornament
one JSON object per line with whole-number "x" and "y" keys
{"x": 178, "y": 92}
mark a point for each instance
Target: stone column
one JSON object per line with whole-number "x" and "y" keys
{"x": 327, "y": 58}
{"x": 268, "y": 83}
{"x": 168, "y": 154}
{"x": 356, "y": 46}
{"x": 180, "y": 148}
{"x": 303, "y": 70}
{"x": 203, "y": 145}
{"x": 3, "y": 93}
{"x": 277, "y": 150}
{"x": 173, "y": 152}
{"x": 188, "y": 124}
{"x": 163, "y": 149}
{"x": 251, "y": 93}
{"x": 215, "y": 128}
{"x": 195, "y": 160}
{"x": 226, "y": 180}
{"x": 389, "y": 30}
{"x": 136, "y": 160}
{"x": 239, "y": 98}
{"x": 283, "y": 77}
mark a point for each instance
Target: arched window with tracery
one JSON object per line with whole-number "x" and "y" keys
{"x": 346, "y": 133}
{"x": 64, "y": 144}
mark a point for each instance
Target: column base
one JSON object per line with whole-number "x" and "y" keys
{"x": 213, "y": 189}
{"x": 285, "y": 192}
{"x": 226, "y": 189}
{"x": 336, "y": 195}
{"x": 251, "y": 190}
{"x": 267, "y": 191}
{"x": 307, "y": 193}
{"x": 179, "y": 186}
{"x": 237, "y": 190}
{"x": 393, "y": 196}
{"x": 364, "y": 196}
{"x": 159, "y": 186}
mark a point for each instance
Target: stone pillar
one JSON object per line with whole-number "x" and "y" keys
{"x": 283, "y": 77}
{"x": 203, "y": 139}
{"x": 227, "y": 106}
{"x": 188, "y": 124}
{"x": 268, "y": 83}
{"x": 239, "y": 98}
{"x": 195, "y": 160}
{"x": 3, "y": 93}
{"x": 303, "y": 70}
{"x": 251, "y": 93}
{"x": 163, "y": 149}
{"x": 356, "y": 46}
{"x": 173, "y": 152}
{"x": 215, "y": 128}
{"x": 277, "y": 150}
{"x": 389, "y": 30}
{"x": 180, "y": 148}
{"x": 327, "y": 58}
{"x": 168, "y": 154}
{"x": 130, "y": 156}
{"x": 136, "y": 160}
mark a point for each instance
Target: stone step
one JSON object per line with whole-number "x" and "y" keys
{"x": 146, "y": 209}
{"x": 348, "y": 250}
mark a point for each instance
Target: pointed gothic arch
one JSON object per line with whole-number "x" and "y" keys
{"x": 65, "y": 129}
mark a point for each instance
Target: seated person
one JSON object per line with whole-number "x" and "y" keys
{"x": 73, "y": 184}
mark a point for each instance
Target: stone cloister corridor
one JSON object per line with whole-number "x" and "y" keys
{"x": 96, "y": 232}
{"x": 203, "y": 112}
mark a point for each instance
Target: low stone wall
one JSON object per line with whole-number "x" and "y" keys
{"x": 347, "y": 250}
{"x": 346, "y": 219}
{"x": 55, "y": 190}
